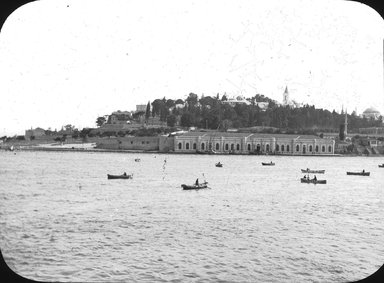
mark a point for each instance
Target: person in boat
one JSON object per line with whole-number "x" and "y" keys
{"x": 363, "y": 170}
{"x": 314, "y": 178}
{"x": 197, "y": 182}
{"x": 305, "y": 177}
{"x": 125, "y": 174}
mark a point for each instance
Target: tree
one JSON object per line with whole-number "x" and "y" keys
{"x": 171, "y": 120}
{"x": 148, "y": 111}
{"x": 186, "y": 120}
{"x": 100, "y": 121}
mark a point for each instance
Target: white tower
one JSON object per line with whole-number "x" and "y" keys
{"x": 285, "y": 97}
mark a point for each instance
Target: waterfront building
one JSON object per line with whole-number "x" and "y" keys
{"x": 249, "y": 143}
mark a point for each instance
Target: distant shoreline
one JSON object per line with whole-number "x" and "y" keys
{"x": 93, "y": 149}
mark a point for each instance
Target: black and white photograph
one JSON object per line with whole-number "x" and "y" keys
{"x": 192, "y": 141}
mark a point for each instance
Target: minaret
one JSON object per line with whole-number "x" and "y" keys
{"x": 286, "y": 96}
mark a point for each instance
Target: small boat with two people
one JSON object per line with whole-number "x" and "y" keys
{"x": 314, "y": 180}
{"x": 137, "y": 159}
{"x": 218, "y": 164}
{"x": 122, "y": 176}
{"x": 381, "y": 165}
{"x": 312, "y": 171}
{"x": 195, "y": 186}
{"x": 362, "y": 173}
{"x": 268, "y": 164}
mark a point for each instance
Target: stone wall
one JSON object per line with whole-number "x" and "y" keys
{"x": 129, "y": 143}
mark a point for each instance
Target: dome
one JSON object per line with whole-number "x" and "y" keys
{"x": 371, "y": 110}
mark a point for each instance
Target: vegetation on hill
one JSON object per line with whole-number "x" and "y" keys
{"x": 211, "y": 113}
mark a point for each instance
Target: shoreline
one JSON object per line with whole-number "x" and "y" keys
{"x": 70, "y": 148}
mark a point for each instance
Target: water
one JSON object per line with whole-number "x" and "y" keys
{"x": 61, "y": 219}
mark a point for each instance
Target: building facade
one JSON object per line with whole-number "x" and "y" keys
{"x": 248, "y": 143}
{"x": 38, "y": 132}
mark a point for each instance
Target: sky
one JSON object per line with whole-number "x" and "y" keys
{"x": 69, "y": 62}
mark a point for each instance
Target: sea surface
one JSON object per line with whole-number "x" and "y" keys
{"x": 62, "y": 220}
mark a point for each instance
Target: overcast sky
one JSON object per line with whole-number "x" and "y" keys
{"x": 68, "y": 62}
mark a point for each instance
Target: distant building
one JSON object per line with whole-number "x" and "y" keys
{"x": 37, "y": 132}
{"x": 288, "y": 102}
{"x": 238, "y": 100}
{"x": 141, "y": 108}
{"x": 119, "y": 117}
{"x": 371, "y": 113}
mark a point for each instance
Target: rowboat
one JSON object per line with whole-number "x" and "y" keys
{"x": 123, "y": 176}
{"x": 195, "y": 187}
{"x": 359, "y": 173}
{"x": 219, "y": 164}
{"x": 137, "y": 159}
{"x": 381, "y": 165}
{"x": 268, "y": 164}
{"x": 313, "y": 181}
{"x": 312, "y": 171}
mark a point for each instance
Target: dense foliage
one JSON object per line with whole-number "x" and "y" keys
{"x": 210, "y": 113}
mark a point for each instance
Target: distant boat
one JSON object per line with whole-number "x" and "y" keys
{"x": 137, "y": 159}
{"x": 195, "y": 187}
{"x": 268, "y": 164}
{"x": 313, "y": 181}
{"x": 381, "y": 165}
{"x": 219, "y": 164}
{"x": 312, "y": 171}
{"x": 123, "y": 176}
{"x": 363, "y": 173}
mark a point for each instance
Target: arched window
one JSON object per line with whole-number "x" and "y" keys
{"x": 180, "y": 145}
{"x": 329, "y": 148}
{"x": 277, "y": 147}
{"x": 323, "y": 148}
{"x": 297, "y": 148}
{"x": 202, "y": 146}
{"x": 249, "y": 147}
{"x": 282, "y": 148}
{"x": 217, "y": 146}
{"x": 187, "y": 145}
{"x": 226, "y": 146}
{"x": 232, "y": 146}
{"x": 310, "y": 148}
{"x": 194, "y": 145}
{"x": 287, "y": 147}
{"x": 267, "y": 147}
{"x": 317, "y": 148}
{"x": 237, "y": 147}
{"x": 304, "y": 148}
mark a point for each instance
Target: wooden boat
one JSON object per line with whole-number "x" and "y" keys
{"x": 363, "y": 173}
{"x": 381, "y": 165}
{"x": 219, "y": 164}
{"x": 312, "y": 171}
{"x": 123, "y": 176}
{"x": 195, "y": 187}
{"x": 313, "y": 181}
{"x": 268, "y": 164}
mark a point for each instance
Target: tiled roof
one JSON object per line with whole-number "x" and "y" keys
{"x": 255, "y": 135}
